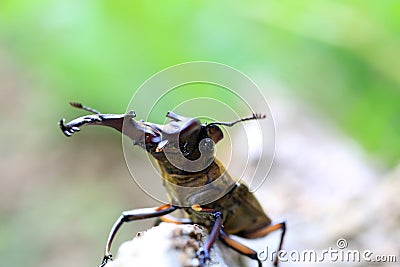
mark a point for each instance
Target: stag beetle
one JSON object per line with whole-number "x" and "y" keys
{"x": 236, "y": 212}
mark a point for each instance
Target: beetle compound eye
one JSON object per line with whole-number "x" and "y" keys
{"x": 215, "y": 133}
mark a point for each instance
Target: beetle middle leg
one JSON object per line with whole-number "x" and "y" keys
{"x": 267, "y": 230}
{"x": 133, "y": 215}
{"x": 239, "y": 247}
{"x": 172, "y": 219}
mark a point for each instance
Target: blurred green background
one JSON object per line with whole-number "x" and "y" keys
{"x": 59, "y": 196}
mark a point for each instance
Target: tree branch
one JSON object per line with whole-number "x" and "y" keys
{"x": 172, "y": 245}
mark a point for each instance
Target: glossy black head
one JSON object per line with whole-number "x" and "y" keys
{"x": 184, "y": 133}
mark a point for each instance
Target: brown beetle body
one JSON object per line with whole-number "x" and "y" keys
{"x": 180, "y": 148}
{"x": 241, "y": 211}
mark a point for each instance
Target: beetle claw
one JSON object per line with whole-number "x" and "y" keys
{"x": 203, "y": 255}
{"x": 105, "y": 260}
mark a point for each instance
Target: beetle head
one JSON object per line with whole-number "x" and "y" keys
{"x": 185, "y": 129}
{"x": 187, "y": 134}
{"x": 191, "y": 131}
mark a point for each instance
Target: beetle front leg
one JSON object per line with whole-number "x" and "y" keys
{"x": 204, "y": 252}
{"x": 133, "y": 215}
{"x": 171, "y": 219}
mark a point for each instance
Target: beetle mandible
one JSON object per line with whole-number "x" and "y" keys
{"x": 237, "y": 212}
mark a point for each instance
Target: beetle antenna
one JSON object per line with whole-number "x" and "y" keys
{"x": 256, "y": 116}
{"x": 80, "y": 106}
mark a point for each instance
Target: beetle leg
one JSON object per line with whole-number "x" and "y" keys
{"x": 265, "y": 231}
{"x": 172, "y": 219}
{"x": 133, "y": 215}
{"x": 204, "y": 252}
{"x": 239, "y": 247}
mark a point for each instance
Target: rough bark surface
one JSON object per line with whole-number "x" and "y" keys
{"x": 171, "y": 245}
